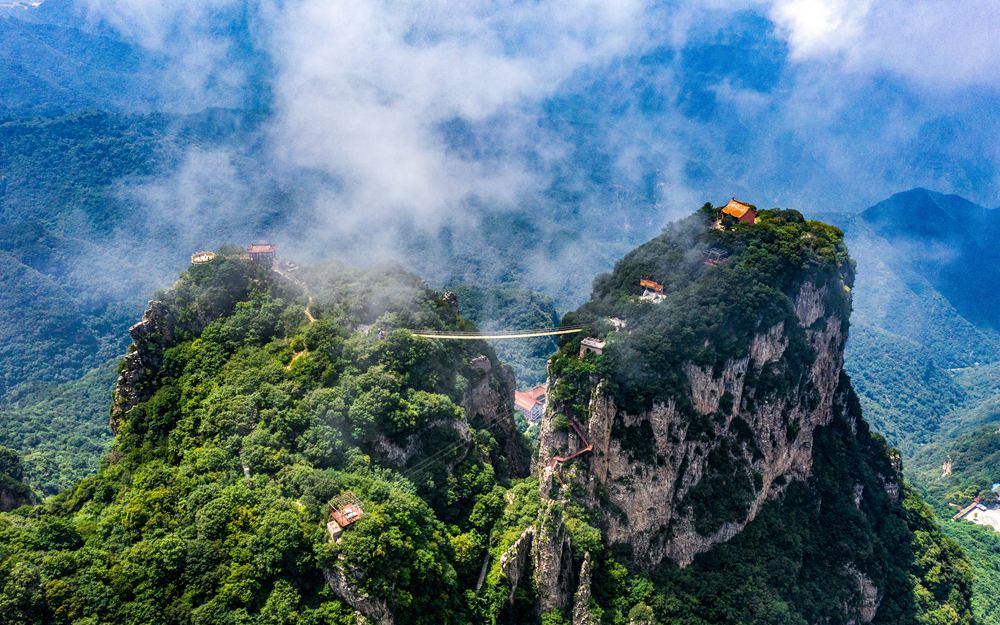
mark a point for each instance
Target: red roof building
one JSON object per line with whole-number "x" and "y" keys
{"x": 262, "y": 253}
{"x": 531, "y": 403}
{"x": 345, "y": 510}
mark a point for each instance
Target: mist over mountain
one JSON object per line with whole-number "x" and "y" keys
{"x": 508, "y": 152}
{"x": 950, "y": 242}
{"x": 925, "y": 305}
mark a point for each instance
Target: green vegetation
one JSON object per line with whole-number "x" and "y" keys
{"x": 974, "y": 457}
{"x": 13, "y": 491}
{"x": 982, "y": 547}
{"x": 710, "y": 313}
{"x": 61, "y": 430}
{"x": 211, "y": 506}
{"x": 849, "y": 510}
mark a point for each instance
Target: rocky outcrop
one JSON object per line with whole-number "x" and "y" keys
{"x": 14, "y": 494}
{"x": 145, "y": 356}
{"x": 552, "y": 560}
{"x": 490, "y": 399}
{"x": 581, "y": 600}
{"x": 375, "y": 610}
{"x": 869, "y": 598}
{"x": 767, "y": 431}
{"x": 514, "y": 561}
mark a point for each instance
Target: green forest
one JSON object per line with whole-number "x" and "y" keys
{"x": 243, "y": 419}
{"x": 210, "y": 506}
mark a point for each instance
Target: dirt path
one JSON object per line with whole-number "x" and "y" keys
{"x": 302, "y": 285}
{"x": 308, "y": 310}
{"x": 297, "y": 355}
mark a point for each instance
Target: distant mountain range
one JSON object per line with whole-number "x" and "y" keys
{"x": 925, "y": 312}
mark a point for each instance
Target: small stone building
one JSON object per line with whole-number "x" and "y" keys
{"x": 591, "y": 345}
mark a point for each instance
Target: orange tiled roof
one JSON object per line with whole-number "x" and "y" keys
{"x": 737, "y": 208}
{"x": 260, "y": 248}
{"x": 526, "y": 400}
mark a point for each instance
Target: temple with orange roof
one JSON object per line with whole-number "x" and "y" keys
{"x": 262, "y": 253}
{"x": 740, "y": 210}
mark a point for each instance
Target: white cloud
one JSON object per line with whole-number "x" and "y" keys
{"x": 928, "y": 42}
{"x": 361, "y": 89}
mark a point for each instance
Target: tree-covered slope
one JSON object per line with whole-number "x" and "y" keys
{"x": 60, "y": 429}
{"x": 211, "y": 506}
{"x": 951, "y": 242}
{"x": 51, "y": 69}
{"x": 922, "y": 338}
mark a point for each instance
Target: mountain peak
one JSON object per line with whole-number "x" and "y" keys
{"x": 924, "y": 214}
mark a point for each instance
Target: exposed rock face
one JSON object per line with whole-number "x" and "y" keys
{"x": 551, "y": 557}
{"x": 491, "y": 400}
{"x": 581, "y": 600}
{"x": 869, "y": 599}
{"x": 514, "y": 561}
{"x": 138, "y": 369}
{"x": 13, "y": 495}
{"x": 375, "y": 610}
{"x": 769, "y": 430}
{"x": 400, "y": 454}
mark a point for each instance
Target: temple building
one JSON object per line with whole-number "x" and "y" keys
{"x": 744, "y": 212}
{"x": 262, "y": 253}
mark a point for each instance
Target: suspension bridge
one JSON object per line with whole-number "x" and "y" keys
{"x": 488, "y": 335}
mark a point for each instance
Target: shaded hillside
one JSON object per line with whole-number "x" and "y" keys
{"x": 917, "y": 344}
{"x": 52, "y": 69}
{"x": 60, "y": 429}
{"x": 949, "y": 241}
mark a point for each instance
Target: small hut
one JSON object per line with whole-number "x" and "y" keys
{"x": 345, "y": 510}
{"x": 591, "y": 345}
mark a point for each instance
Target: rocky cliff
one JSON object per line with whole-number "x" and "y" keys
{"x": 137, "y": 371}
{"x": 709, "y": 433}
{"x": 765, "y": 432}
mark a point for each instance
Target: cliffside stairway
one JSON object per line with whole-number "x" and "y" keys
{"x": 554, "y": 460}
